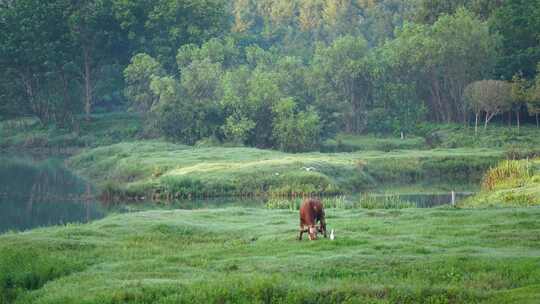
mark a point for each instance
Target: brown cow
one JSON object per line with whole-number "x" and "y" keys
{"x": 311, "y": 212}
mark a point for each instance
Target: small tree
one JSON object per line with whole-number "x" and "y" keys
{"x": 489, "y": 96}
{"x": 534, "y": 109}
{"x": 473, "y": 97}
{"x": 519, "y": 95}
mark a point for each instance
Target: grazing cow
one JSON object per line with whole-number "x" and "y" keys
{"x": 311, "y": 212}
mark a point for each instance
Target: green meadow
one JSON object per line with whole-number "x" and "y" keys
{"x": 164, "y": 170}
{"x": 385, "y": 251}
{"x": 250, "y": 255}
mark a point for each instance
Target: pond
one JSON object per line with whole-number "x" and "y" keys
{"x": 43, "y": 192}
{"x": 35, "y": 193}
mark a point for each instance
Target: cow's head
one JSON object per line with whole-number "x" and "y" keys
{"x": 313, "y": 233}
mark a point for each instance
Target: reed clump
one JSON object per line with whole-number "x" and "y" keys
{"x": 367, "y": 201}
{"x": 507, "y": 173}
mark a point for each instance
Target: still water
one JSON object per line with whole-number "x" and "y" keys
{"x": 36, "y": 193}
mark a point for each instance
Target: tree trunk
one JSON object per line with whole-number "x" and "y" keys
{"x": 537, "y": 125}
{"x": 476, "y": 124}
{"x": 510, "y": 119}
{"x": 65, "y": 94}
{"x": 489, "y": 116}
{"x": 87, "y": 83}
{"x": 518, "y": 119}
{"x": 436, "y": 96}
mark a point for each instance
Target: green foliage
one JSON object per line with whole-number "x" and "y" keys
{"x": 295, "y": 132}
{"x": 237, "y": 129}
{"x": 339, "y": 80}
{"x": 139, "y": 75}
{"x": 490, "y": 96}
{"x": 518, "y": 22}
{"x": 424, "y": 50}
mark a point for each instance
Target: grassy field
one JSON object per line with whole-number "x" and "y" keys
{"x": 167, "y": 170}
{"x": 243, "y": 255}
{"x": 429, "y": 136}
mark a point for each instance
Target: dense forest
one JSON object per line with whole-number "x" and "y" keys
{"x": 280, "y": 74}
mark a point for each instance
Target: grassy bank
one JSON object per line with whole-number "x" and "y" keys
{"x": 102, "y": 129}
{"x": 495, "y": 136}
{"x": 165, "y": 170}
{"x": 522, "y": 143}
{"x": 510, "y": 184}
{"x": 239, "y": 255}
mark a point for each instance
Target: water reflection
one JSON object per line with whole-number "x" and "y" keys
{"x": 42, "y": 193}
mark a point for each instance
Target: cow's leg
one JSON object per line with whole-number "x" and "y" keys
{"x": 323, "y": 227}
{"x": 301, "y": 232}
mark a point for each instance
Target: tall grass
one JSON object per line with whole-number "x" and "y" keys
{"x": 509, "y": 172}
{"x": 383, "y": 202}
{"x": 366, "y": 201}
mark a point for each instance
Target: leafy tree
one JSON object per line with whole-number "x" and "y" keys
{"x": 170, "y": 115}
{"x": 223, "y": 51}
{"x": 239, "y": 123}
{"x": 295, "y": 131}
{"x": 490, "y": 96}
{"x": 138, "y": 76}
{"x": 201, "y": 89}
{"x": 263, "y": 93}
{"x": 396, "y": 108}
{"x": 429, "y": 11}
{"x": 160, "y": 27}
{"x": 442, "y": 70}
{"x": 340, "y": 76}
{"x": 95, "y": 31}
{"x": 519, "y": 95}
{"x": 36, "y": 55}
{"x": 473, "y": 97}
{"x": 518, "y": 22}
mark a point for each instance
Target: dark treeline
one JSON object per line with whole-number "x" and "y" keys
{"x": 271, "y": 73}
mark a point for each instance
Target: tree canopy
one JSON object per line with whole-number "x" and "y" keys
{"x": 271, "y": 73}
